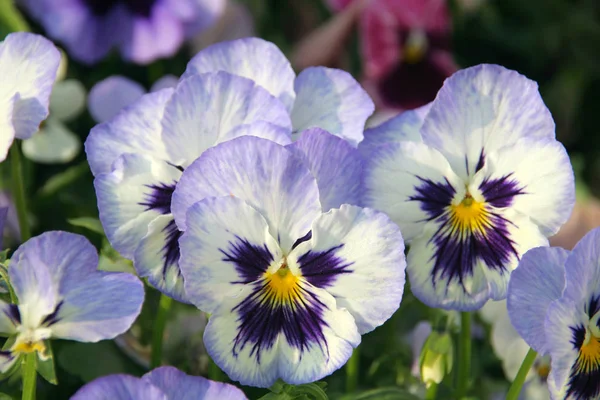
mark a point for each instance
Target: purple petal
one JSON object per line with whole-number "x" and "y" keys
{"x": 119, "y": 387}
{"x": 109, "y": 96}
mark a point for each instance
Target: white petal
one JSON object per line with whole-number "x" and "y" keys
{"x": 67, "y": 100}
{"x": 54, "y": 144}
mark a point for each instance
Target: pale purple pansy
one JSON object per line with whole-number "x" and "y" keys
{"x": 290, "y": 289}
{"x": 28, "y": 67}
{"x": 164, "y": 383}
{"x": 61, "y": 295}
{"x": 318, "y": 97}
{"x": 554, "y": 304}
{"x": 482, "y": 181}
{"x": 143, "y": 30}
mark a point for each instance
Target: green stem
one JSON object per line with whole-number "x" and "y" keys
{"x": 464, "y": 355}
{"x": 515, "y": 387}
{"x": 352, "y": 371}
{"x": 29, "y": 376}
{"x": 18, "y": 190}
{"x": 431, "y": 391}
{"x": 11, "y": 18}
{"x": 159, "y": 330}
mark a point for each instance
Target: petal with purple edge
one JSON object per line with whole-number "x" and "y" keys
{"x": 251, "y": 58}
{"x": 10, "y": 318}
{"x": 6, "y": 125}
{"x": 226, "y": 245}
{"x": 119, "y": 387}
{"x": 481, "y": 109}
{"x": 130, "y": 197}
{"x": 7, "y": 359}
{"x": 538, "y": 280}
{"x": 28, "y": 66}
{"x": 260, "y": 129}
{"x": 181, "y": 386}
{"x": 109, "y": 96}
{"x": 264, "y": 174}
{"x": 357, "y": 255}
{"x": 157, "y": 257}
{"x": 336, "y": 165}
{"x": 137, "y": 129}
{"x": 583, "y": 273}
{"x": 332, "y": 100}
{"x": 206, "y": 108}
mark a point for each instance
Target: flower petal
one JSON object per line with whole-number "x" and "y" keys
{"x": 260, "y": 172}
{"x": 542, "y": 170}
{"x": 357, "y": 255}
{"x": 538, "y": 280}
{"x": 54, "y": 144}
{"x": 109, "y": 96}
{"x": 582, "y": 272}
{"x": 135, "y": 130}
{"x": 332, "y": 100}
{"x": 180, "y": 386}
{"x": 205, "y": 108}
{"x": 7, "y": 359}
{"x": 335, "y": 164}
{"x": 67, "y": 100}
{"x": 6, "y": 126}
{"x": 137, "y": 191}
{"x": 10, "y": 318}
{"x": 166, "y": 82}
{"x": 119, "y": 387}
{"x": 28, "y": 66}
{"x": 481, "y": 109}
{"x": 252, "y": 58}
{"x": 452, "y": 272}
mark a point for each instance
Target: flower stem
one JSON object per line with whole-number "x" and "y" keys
{"x": 214, "y": 372}
{"x": 431, "y": 391}
{"x": 464, "y": 355}
{"x": 352, "y": 371}
{"x": 18, "y": 190}
{"x": 159, "y": 330}
{"x": 515, "y": 387}
{"x": 29, "y": 376}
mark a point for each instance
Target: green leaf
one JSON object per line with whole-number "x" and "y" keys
{"x": 46, "y": 367}
{"x": 11, "y": 18}
{"x": 93, "y": 224}
{"x": 4, "y": 396}
{"x": 310, "y": 390}
{"x": 64, "y": 179}
{"x": 389, "y": 393}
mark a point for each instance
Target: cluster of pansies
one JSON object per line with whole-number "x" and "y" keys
{"x": 257, "y": 196}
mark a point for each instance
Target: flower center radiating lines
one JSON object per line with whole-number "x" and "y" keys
{"x": 584, "y": 378}
{"x": 282, "y": 286}
{"x": 469, "y": 216}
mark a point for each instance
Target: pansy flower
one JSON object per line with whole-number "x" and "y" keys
{"x": 164, "y": 383}
{"x": 554, "y": 304}
{"x": 484, "y": 182}
{"x": 143, "y": 30}
{"x": 61, "y": 295}
{"x": 138, "y": 157}
{"x": 318, "y": 97}
{"x": 28, "y": 66}
{"x": 290, "y": 289}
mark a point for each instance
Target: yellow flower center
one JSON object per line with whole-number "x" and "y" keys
{"x": 589, "y": 354}
{"x": 469, "y": 216}
{"x": 415, "y": 47}
{"x": 29, "y": 347}
{"x": 282, "y": 285}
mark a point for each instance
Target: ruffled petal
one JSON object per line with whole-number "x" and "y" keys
{"x": 205, "y": 108}
{"x": 481, "y": 109}
{"x": 357, "y": 255}
{"x": 538, "y": 281}
{"x": 119, "y": 387}
{"x": 332, "y": 100}
{"x": 335, "y": 164}
{"x": 28, "y": 66}
{"x": 582, "y": 271}
{"x": 7, "y": 359}
{"x": 137, "y": 129}
{"x": 10, "y": 318}
{"x": 109, "y": 96}
{"x": 137, "y": 191}
{"x": 260, "y": 172}
{"x": 251, "y": 58}
{"x": 54, "y": 144}
{"x": 180, "y": 386}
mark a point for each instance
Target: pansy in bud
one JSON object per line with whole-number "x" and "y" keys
{"x": 290, "y": 289}
{"x": 164, "y": 383}
{"x": 28, "y": 66}
{"x": 138, "y": 156}
{"x": 318, "y": 97}
{"x": 61, "y": 295}
{"x": 143, "y": 30}
{"x": 483, "y": 182}
{"x": 554, "y": 304}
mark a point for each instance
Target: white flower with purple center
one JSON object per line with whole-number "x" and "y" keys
{"x": 138, "y": 157}
{"x": 554, "y": 304}
{"x": 143, "y": 30}
{"x": 61, "y": 295}
{"x": 28, "y": 66}
{"x": 318, "y": 97}
{"x": 482, "y": 182}
{"x": 164, "y": 383}
{"x": 290, "y": 289}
